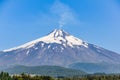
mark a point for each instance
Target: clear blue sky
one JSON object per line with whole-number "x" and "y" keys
{"x": 95, "y": 21}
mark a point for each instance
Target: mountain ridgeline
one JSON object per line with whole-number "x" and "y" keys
{"x": 59, "y": 48}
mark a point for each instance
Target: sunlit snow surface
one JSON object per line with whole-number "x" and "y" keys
{"x": 57, "y": 36}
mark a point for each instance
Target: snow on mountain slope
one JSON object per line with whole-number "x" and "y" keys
{"x": 59, "y": 48}
{"x": 57, "y": 36}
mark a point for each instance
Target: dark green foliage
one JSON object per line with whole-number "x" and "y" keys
{"x": 5, "y": 76}
{"x": 95, "y": 77}
{"x": 23, "y": 76}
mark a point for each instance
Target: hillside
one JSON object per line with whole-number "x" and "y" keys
{"x": 45, "y": 70}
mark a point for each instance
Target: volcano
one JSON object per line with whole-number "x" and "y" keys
{"x": 58, "y": 48}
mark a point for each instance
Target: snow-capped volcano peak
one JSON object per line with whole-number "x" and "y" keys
{"x": 58, "y": 36}
{"x": 59, "y": 33}
{"x": 61, "y": 37}
{"x": 58, "y": 48}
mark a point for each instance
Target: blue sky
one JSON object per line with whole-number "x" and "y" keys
{"x": 95, "y": 21}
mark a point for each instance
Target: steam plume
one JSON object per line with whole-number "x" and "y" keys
{"x": 65, "y": 14}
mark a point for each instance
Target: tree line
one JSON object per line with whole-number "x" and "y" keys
{"x": 23, "y": 76}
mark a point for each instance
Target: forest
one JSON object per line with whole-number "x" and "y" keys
{"x": 23, "y": 76}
